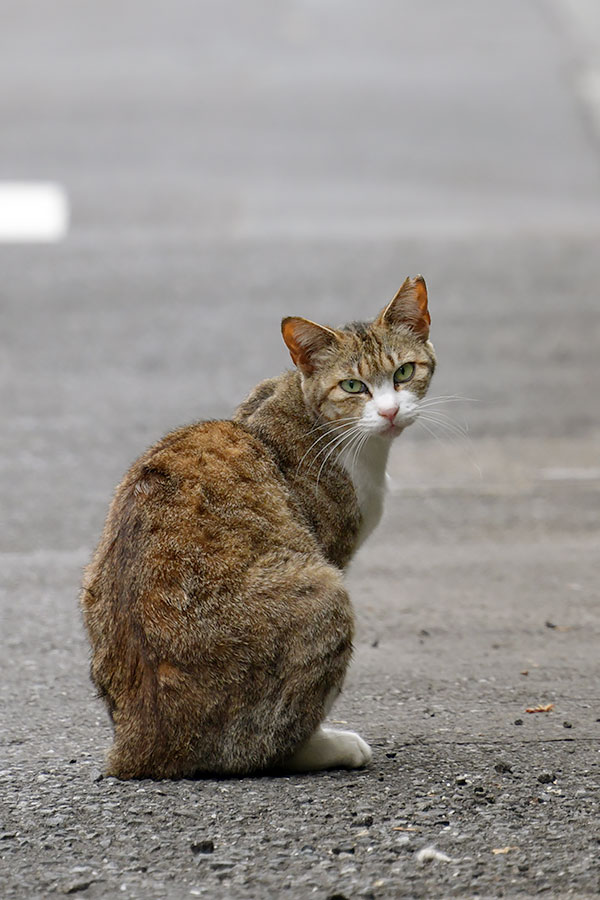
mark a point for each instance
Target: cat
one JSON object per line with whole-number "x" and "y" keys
{"x": 215, "y": 606}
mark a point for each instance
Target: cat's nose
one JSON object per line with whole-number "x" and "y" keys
{"x": 389, "y": 412}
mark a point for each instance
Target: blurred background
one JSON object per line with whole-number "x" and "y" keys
{"x": 229, "y": 163}
{"x": 225, "y": 164}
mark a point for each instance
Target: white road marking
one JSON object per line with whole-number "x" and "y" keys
{"x": 33, "y": 211}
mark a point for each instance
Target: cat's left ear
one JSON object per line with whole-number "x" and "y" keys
{"x": 305, "y": 339}
{"x": 409, "y": 307}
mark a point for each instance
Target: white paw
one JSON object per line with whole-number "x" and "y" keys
{"x": 330, "y": 749}
{"x": 350, "y": 749}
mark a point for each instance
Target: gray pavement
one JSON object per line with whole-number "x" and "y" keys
{"x": 228, "y": 165}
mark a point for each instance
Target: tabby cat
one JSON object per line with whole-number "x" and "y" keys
{"x": 215, "y": 604}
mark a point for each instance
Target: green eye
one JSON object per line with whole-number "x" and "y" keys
{"x": 404, "y": 373}
{"x": 353, "y": 386}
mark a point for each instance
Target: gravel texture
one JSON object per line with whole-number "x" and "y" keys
{"x": 476, "y": 599}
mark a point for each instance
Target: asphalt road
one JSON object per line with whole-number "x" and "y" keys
{"x": 230, "y": 165}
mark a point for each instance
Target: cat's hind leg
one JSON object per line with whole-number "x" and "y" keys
{"x": 327, "y": 748}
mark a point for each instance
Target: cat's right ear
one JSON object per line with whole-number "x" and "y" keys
{"x": 304, "y": 339}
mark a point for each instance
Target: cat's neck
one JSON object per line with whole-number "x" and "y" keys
{"x": 368, "y": 473}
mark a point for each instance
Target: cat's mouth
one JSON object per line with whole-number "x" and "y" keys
{"x": 392, "y": 429}
{"x": 402, "y": 421}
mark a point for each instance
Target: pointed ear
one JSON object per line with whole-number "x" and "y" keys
{"x": 409, "y": 307}
{"x": 305, "y": 339}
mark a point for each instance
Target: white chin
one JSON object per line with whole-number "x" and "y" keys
{"x": 400, "y": 424}
{"x": 391, "y": 431}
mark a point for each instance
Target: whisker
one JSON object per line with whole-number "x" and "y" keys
{"x": 337, "y": 443}
{"x": 449, "y": 428}
{"x": 429, "y": 407}
{"x": 450, "y": 398}
{"x": 459, "y": 438}
{"x": 331, "y": 451}
{"x": 429, "y": 430}
{"x": 360, "y": 445}
{"x": 354, "y": 446}
{"x": 443, "y": 420}
{"x": 334, "y": 422}
{"x": 322, "y": 437}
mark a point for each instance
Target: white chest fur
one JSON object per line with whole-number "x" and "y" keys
{"x": 369, "y": 478}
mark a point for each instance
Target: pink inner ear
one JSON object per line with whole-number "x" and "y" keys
{"x": 409, "y": 307}
{"x": 304, "y": 339}
{"x": 421, "y": 297}
{"x": 287, "y": 330}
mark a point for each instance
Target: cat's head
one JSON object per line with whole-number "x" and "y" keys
{"x": 369, "y": 374}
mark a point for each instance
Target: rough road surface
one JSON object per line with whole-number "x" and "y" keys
{"x": 230, "y": 167}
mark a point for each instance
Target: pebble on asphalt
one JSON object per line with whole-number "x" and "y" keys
{"x": 202, "y": 847}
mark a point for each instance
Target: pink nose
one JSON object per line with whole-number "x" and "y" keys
{"x": 389, "y": 413}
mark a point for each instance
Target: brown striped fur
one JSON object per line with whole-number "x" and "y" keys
{"x": 214, "y": 603}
